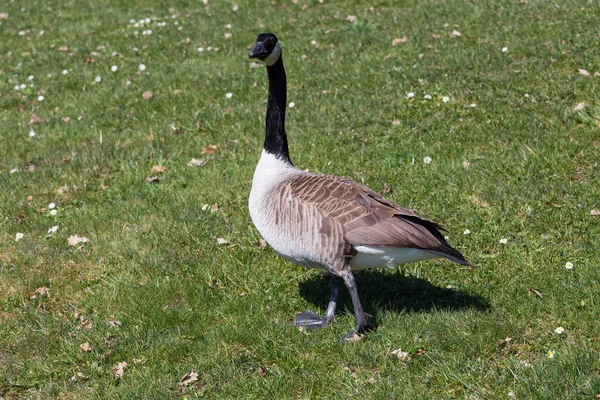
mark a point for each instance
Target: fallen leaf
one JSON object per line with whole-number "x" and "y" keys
{"x": 532, "y": 291}
{"x": 112, "y": 323}
{"x": 222, "y": 241}
{"x": 188, "y": 378}
{"x": 31, "y": 167}
{"x": 74, "y": 240}
{"x": 501, "y": 344}
{"x": 85, "y": 347}
{"x": 420, "y": 352}
{"x": 261, "y": 244}
{"x": 595, "y": 212}
{"x": 354, "y": 338}
{"x": 227, "y": 35}
{"x": 402, "y": 355}
{"x": 209, "y": 149}
{"x": 214, "y": 208}
{"x": 62, "y": 189}
{"x": 43, "y": 291}
{"x": 388, "y": 55}
{"x": 87, "y": 325}
{"x": 35, "y": 119}
{"x": 476, "y": 201}
{"x": 553, "y": 205}
{"x": 386, "y": 188}
{"x": 262, "y": 371}
{"x": 66, "y": 120}
{"x": 351, "y": 18}
{"x": 3, "y": 15}
{"x": 158, "y": 169}
{"x": 435, "y": 36}
{"x": 110, "y": 341}
{"x": 138, "y": 360}
{"x": 455, "y": 33}
{"x": 119, "y": 368}
{"x": 396, "y": 41}
{"x": 30, "y": 198}
{"x": 88, "y": 60}
{"x": 579, "y": 106}
{"x": 194, "y": 162}
{"x": 583, "y": 72}
{"x": 152, "y": 179}
{"x": 63, "y": 48}
{"x": 147, "y": 95}
{"x": 396, "y": 122}
{"x": 466, "y": 164}
{"x": 26, "y": 53}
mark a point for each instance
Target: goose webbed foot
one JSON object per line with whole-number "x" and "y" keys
{"x": 310, "y": 320}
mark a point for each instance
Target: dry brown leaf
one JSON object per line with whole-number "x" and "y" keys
{"x": 583, "y": 72}
{"x": 152, "y": 179}
{"x": 455, "y": 33}
{"x": 396, "y": 41}
{"x": 31, "y": 167}
{"x": 158, "y": 169}
{"x": 63, "y": 48}
{"x": 85, "y": 347}
{"x": 87, "y": 325}
{"x": 209, "y": 149}
{"x": 138, "y": 360}
{"x": 88, "y": 60}
{"x": 354, "y": 338}
{"x": 120, "y": 368}
{"x": 214, "y": 208}
{"x": 595, "y": 212}
{"x": 35, "y": 119}
{"x": 188, "y": 378}
{"x": 262, "y": 371}
{"x": 388, "y": 55}
{"x": 435, "y": 36}
{"x": 351, "y": 18}
{"x": 501, "y": 344}
{"x": 476, "y": 201}
{"x": 74, "y": 240}
{"x": 396, "y": 122}
{"x": 194, "y": 162}
{"x": 386, "y": 188}
{"x": 532, "y": 291}
{"x": 113, "y": 323}
{"x": 402, "y": 355}
{"x": 227, "y": 35}
{"x": 66, "y": 120}
{"x": 43, "y": 291}
{"x": 62, "y": 189}
{"x": 147, "y": 95}
{"x": 26, "y": 53}
{"x": 466, "y": 164}
{"x": 3, "y": 15}
{"x": 261, "y": 244}
{"x": 579, "y": 107}
{"x": 420, "y": 352}
{"x": 30, "y": 198}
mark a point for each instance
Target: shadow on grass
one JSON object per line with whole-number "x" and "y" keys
{"x": 392, "y": 291}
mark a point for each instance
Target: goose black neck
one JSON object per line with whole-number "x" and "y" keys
{"x": 276, "y": 138}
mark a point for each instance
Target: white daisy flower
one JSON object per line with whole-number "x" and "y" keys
{"x": 504, "y": 49}
{"x": 98, "y": 79}
{"x": 32, "y": 133}
{"x": 200, "y": 49}
{"x": 142, "y": 67}
{"x": 427, "y": 160}
{"x": 18, "y": 236}
{"x": 229, "y": 95}
{"x": 560, "y": 330}
{"x": 114, "y": 68}
{"x": 410, "y": 95}
{"x": 12, "y": 171}
{"x": 65, "y": 71}
{"x": 53, "y": 212}
{"x": 53, "y": 229}
{"x": 40, "y": 98}
{"x": 30, "y": 77}
{"x": 550, "y": 354}
{"x": 445, "y": 99}
{"x": 472, "y": 105}
{"x": 427, "y": 97}
{"x": 17, "y": 87}
{"x": 503, "y": 241}
{"x": 569, "y": 265}
{"x": 292, "y": 105}
{"x": 205, "y": 207}
{"x": 466, "y": 232}
{"x": 52, "y": 206}
{"x": 23, "y": 86}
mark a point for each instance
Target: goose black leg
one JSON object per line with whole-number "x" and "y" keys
{"x": 310, "y": 320}
{"x": 360, "y": 315}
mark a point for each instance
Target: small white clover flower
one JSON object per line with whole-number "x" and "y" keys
{"x": 30, "y": 77}
{"x": 40, "y": 98}
{"x": 142, "y": 67}
{"x": 292, "y": 105}
{"x": 569, "y": 265}
{"x": 98, "y": 79}
{"x": 18, "y": 236}
{"x": 17, "y": 87}
{"x": 504, "y": 49}
{"x": 65, "y": 71}
{"x": 560, "y": 330}
{"x": 466, "y": 232}
{"x": 229, "y": 95}
{"x": 473, "y": 105}
{"x": 32, "y": 133}
{"x": 53, "y": 212}
{"x": 503, "y": 241}
{"x": 410, "y": 95}
{"x": 445, "y": 99}
{"x": 52, "y": 206}
{"x": 23, "y": 86}
{"x": 427, "y": 160}
{"x": 53, "y": 229}
{"x": 427, "y": 97}
{"x": 200, "y": 49}
{"x": 550, "y": 354}
{"x": 205, "y": 207}
{"x": 114, "y": 68}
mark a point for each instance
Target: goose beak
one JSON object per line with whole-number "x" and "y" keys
{"x": 258, "y": 51}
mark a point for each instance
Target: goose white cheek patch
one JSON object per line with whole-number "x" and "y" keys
{"x": 274, "y": 56}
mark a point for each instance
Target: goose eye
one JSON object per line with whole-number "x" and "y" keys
{"x": 272, "y": 40}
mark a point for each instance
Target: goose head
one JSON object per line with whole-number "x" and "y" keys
{"x": 266, "y": 49}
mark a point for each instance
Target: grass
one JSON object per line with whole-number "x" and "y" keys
{"x": 154, "y": 289}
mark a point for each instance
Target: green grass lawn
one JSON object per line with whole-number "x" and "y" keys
{"x": 153, "y": 288}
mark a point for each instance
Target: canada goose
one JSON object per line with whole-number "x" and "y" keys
{"x": 323, "y": 221}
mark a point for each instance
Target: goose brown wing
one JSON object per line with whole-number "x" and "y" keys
{"x": 365, "y": 217}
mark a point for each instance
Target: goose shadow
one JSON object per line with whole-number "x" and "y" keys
{"x": 394, "y": 292}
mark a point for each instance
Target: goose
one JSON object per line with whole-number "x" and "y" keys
{"x": 325, "y": 221}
